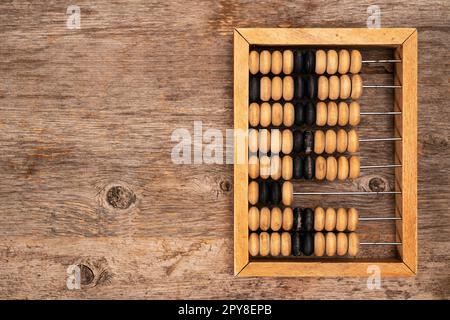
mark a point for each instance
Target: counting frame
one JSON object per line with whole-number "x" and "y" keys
{"x": 403, "y": 43}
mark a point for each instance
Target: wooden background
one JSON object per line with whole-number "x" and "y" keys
{"x": 86, "y": 118}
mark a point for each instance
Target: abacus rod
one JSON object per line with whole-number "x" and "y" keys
{"x": 382, "y": 86}
{"x": 382, "y": 61}
{"x": 380, "y": 243}
{"x": 379, "y": 218}
{"x": 381, "y": 113}
{"x": 381, "y": 166}
{"x": 356, "y": 193}
{"x": 380, "y": 139}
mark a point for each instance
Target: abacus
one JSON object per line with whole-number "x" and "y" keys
{"x": 304, "y": 142}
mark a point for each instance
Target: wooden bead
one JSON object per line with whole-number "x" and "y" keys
{"x": 354, "y": 167}
{"x": 253, "y": 192}
{"x": 307, "y": 243}
{"x": 333, "y": 85}
{"x": 311, "y": 86}
{"x": 341, "y": 141}
{"x": 343, "y": 168}
{"x": 298, "y": 141}
{"x": 253, "y": 219}
{"x": 277, "y": 88}
{"x": 345, "y": 86}
{"x": 265, "y": 114}
{"x": 265, "y": 62}
{"x": 330, "y": 219}
{"x": 355, "y": 61}
{"x": 264, "y": 244}
{"x": 288, "y": 61}
{"x": 254, "y": 89}
{"x": 319, "y": 244}
{"x": 353, "y": 244}
{"x": 321, "y": 114}
{"x": 276, "y": 193}
{"x": 264, "y": 141}
{"x": 287, "y": 168}
{"x": 288, "y": 88}
{"x": 299, "y": 87}
{"x": 319, "y": 142}
{"x": 310, "y": 113}
{"x": 298, "y": 61}
{"x": 253, "y": 62}
{"x": 354, "y": 116}
{"x": 287, "y": 141}
{"x": 264, "y": 167}
{"x": 332, "y": 113}
{"x": 319, "y": 219}
{"x": 264, "y": 192}
{"x": 277, "y": 62}
{"x": 253, "y": 244}
{"x": 308, "y": 141}
{"x": 264, "y": 219}
{"x": 253, "y": 167}
{"x": 286, "y": 244}
{"x": 288, "y": 219}
{"x": 307, "y": 224}
{"x": 309, "y": 60}
{"x": 299, "y": 113}
{"x": 253, "y": 114}
{"x": 308, "y": 169}
{"x": 330, "y": 141}
{"x": 357, "y": 87}
{"x": 330, "y": 245}
{"x": 332, "y": 61}
{"x": 343, "y": 113}
{"x": 344, "y": 61}
{"x": 331, "y": 169}
{"x": 287, "y": 193}
{"x": 275, "y": 141}
{"x": 341, "y": 219}
{"x": 277, "y": 114}
{"x": 342, "y": 244}
{"x": 288, "y": 114}
{"x": 322, "y": 88}
{"x": 265, "y": 88}
{"x": 352, "y": 141}
{"x": 275, "y": 167}
{"x": 298, "y": 167}
{"x": 296, "y": 244}
{"x": 352, "y": 219}
{"x": 321, "y": 168}
{"x": 276, "y": 219}
{"x": 321, "y": 61}
{"x": 297, "y": 224}
{"x": 275, "y": 244}
{"x": 253, "y": 144}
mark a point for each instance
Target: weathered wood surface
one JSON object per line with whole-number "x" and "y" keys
{"x": 84, "y": 110}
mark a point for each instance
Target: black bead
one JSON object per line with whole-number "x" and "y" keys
{"x": 297, "y": 167}
{"x": 308, "y": 171}
{"x": 275, "y": 193}
{"x": 310, "y": 113}
{"x": 298, "y": 61}
{"x": 296, "y": 244}
{"x": 299, "y": 87}
{"x": 254, "y": 89}
{"x": 308, "y": 144}
{"x": 297, "y": 225}
{"x": 311, "y": 86}
{"x": 264, "y": 192}
{"x": 298, "y": 141}
{"x": 307, "y": 243}
{"x": 307, "y": 220}
{"x": 299, "y": 114}
{"x": 310, "y": 61}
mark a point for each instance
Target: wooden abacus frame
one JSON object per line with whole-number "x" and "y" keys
{"x": 404, "y": 41}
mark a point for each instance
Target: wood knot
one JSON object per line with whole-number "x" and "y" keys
{"x": 225, "y": 186}
{"x": 377, "y": 185}
{"x": 120, "y": 197}
{"x": 373, "y": 183}
{"x": 86, "y": 275}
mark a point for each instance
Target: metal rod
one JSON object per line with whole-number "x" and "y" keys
{"x": 381, "y": 166}
{"x": 380, "y": 139}
{"x": 382, "y": 86}
{"x": 380, "y": 243}
{"x": 356, "y": 193}
{"x": 381, "y": 113}
{"x": 382, "y": 61}
{"x": 379, "y": 218}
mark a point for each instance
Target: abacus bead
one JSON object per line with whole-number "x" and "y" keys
{"x": 353, "y": 244}
{"x": 298, "y": 61}
{"x": 253, "y": 62}
{"x": 265, "y": 62}
{"x": 253, "y": 140}
{"x": 310, "y": 61}
{"x": 331, "y": 169}
{"x": 297, "y": 223}
{"x": 288, "y": 219}
{"x": 264, "y": 219}
{"x": 286, "y": 244}
{"x": 275, "y": 141}
{"x": 357, "y": 87}
{"x": 321, "y": 168}
{"x": 277, "y": 88}
{"x": 330, "y": 219}
{"x": 332, "y": 113}
{"x": 264, "y": 141}
{"x": 343, "y": 113}
{"x": 253, "y": 114}
{"x": 253, "y": 167}
{"x": 299, "y": 87}
{"x": 330, "y": 246}
{"x": 277, "y": 62}
{"x": 264, "y": 244}
{"x": 308, "y": 171}
{"x": 264, "y": 192}
{"x": 287, "y": 168}
{"x": 253, "y": 244}
{"x": 321, "y": 61}
{"x": 332, "y": 61}
{"x": 341, "y": 219}
{"x": 288, "y": 88}
{"x": 345, "y": 85}
{"x": 311, "y": 86}
{"x": 277, "y": 114}
{"x": 298, "y": 167}
{"x": 342, "y": 244}
{"x": 265, "y": 88}
{"x": 341, "y": 141}
{"x": 254, "y": 90}
{"x": 288, "y": 61}
{"x": 275, "y": 167}
{"x": 354, "y": 116}
{"x": 321, "y": 114}
{"x": 287, "y": 141}
{"x": 287, "y": 193}
{"x": 344, "y": 61}
{"x": 299, "y": 114}
{"x": 322, "y": 88}
{"x": 275, "y": 244}
{"x": 330, "y": 141}
{"x": 296, "y": 244}
{"x": 355, "y": 61}
{"x": 334, "y": 89}
{"x": 288, "y": 114}
{"x": 275, "y": 193}
{"x": 253, "y": 192}
{"x": 265, "y": 114}
{"x": 319, "y": 244}
{"x": 276, "y": 219}
{"x": 343, "y": 168}
{"x": 307, "y": 243}
{"x": 264, "y": 167}
{"x": 352, "y": 219}
{"x": 253, "y": 219}
{"x": 354, "y": 167}
{"x": 310, "y": 113}
{"x": 298, "y": 141}
{"x": 319, "y": 219}
{"x": 352, "y": 141}
{"x": 319, "y": 142}
{"x": 307, "y": 220}
{"x": 308, "y": 139}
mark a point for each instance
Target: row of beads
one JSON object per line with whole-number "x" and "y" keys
{"x": 265, "y": 192}
{"x": 331, "y": 61}
{"x": 273, "y": 244}
{"x": 275, "y": 62}
{"x": 275, "y": 114}
{"x": 274, "y": 219}
{"x": 333, "y": 244}
{"x": 342, "y": 87}
{"x": 340, "y": 220}
{"x": 341, "y": 114}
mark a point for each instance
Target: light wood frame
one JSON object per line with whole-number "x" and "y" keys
{"x": 404, "y": 40}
